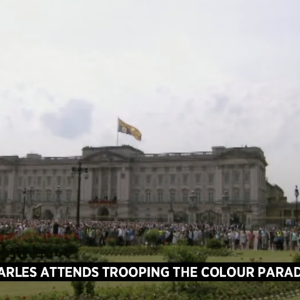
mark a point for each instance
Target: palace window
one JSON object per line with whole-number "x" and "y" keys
{"x": 96, "y": 180}
{"x": 211, "y": 196}
{"x": 148, "y": 179}
{"x": 211, "y": 179}
{"x": 160, "y": 196}
{"x": 69, "y": 196}
{"x": 236, "y": 195}
{"x": 185, "y": 196}
{"x": 20, "y": 196}
{"x": 136, "y": 179}
{"x": 29, "y": 181}
{"x": 5, "y": 196}
{"x": 160, "y": 179}
{"x": 198, "y": 178}
{"x": 173, "y": 179}
{"x": 148, "y": 197}
{"x": 39, "y": 181}
{"x": 38, "y": 195}
{"x": 48, "y": 180}
{"x": 172, "y": 196}
{"x": 59, "y": 180}
{"x": 198, "y": 196}
{"x": 48, "y": 196}
{"x": 247, "y": 195}
{"x": 185, "y": 179}
{"x": 236, "y": 177}
{"x": 226, "y": 178}
{"x": 69, "y": 181}
{"x": 247, "y": 177}
{"x": 6, "y": 180}
{"x": 136, "y": 196}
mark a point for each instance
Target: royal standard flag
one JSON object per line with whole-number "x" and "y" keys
{"x": 128, "y": 129}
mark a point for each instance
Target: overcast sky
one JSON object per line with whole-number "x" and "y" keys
{"x": 189, "y": 74}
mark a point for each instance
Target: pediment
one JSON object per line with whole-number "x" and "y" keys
{"x": 241, "y": 154}
{"x": 105, "y": 156}
{"x": 236, "y": 153}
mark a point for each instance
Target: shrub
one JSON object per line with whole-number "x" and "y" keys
{"x": 81, "y": 287}
{"x": 111, "y": 242}
{"x": 34, "y": 245}
{"x": 296, "y": 258}
{"x": 184, "y": 291}
{"x": 214, "y": 244}
{"x": 152, "y": 237}
{"x": 144, "y": 251}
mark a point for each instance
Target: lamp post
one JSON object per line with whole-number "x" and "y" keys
{"x": 193, "y": 198}
{"x": 116, "y": 211}
{"x": 225, "y": 198}
{"x": 296, "y": 195}
{"x": 30, "y": 192}
{"x": 171, "y": 211}
{"x": 79, "y": 170}
{"x": 192, "y": 208}
{"x": 58, "y": 193}
{"x": 67, "y": 210}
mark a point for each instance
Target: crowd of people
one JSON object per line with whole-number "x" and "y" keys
{"x": 99, "y": 233}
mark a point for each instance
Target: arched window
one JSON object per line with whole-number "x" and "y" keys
{"x": 148, "y": 196}
{"x": 198, "y": 195}
{"x": 160, "y": 196}
{"x": 236, "y": 195}
{"x": 48, "y": 195}
{"x": 172, "y": 196}
{"x": 211, "y": 196}
{"x": 136, "y": 196}
{"x": 38, "y": 195}
{"x": 69, "y": 196}
{"x": 185, "y": 196}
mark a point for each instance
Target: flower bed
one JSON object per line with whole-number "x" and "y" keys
{"x": 185, "y": 291}
{"x": 33, "y": 245}
{"x": 144, "y": 250}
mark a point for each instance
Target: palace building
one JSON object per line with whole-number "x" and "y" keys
{"x": 123, "y": 183}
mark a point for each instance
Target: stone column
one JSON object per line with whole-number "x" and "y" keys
{"x": 11, "y": 185}
{"x": 219, "y": 184}
{"x": 109, "y": 185}
{"x": 100, "y": 184}
{"x": 254, "y": 183}
{"x": 87, "y": 186}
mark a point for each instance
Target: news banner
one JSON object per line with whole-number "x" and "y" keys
{"x": 149, "y": 272}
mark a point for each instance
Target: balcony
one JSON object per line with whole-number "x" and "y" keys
{"x": 105, "y": 201}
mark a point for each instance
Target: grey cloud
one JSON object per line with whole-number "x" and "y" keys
{"x": 9, "y": 123}
{"x": 236, "y": 110}
{"x": 43, "y": 93}
{"x": 71, "y": 121}
{"x": 27, "y": 114}
{"x": 221, "y": 103}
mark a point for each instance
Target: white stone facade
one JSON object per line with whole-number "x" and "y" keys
{"x": 146, "y": 186}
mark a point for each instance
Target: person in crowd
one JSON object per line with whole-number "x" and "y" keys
{"x": 125, "y": 233}
{"x": 251, "y": 239}
{"x": 244, "y": 239}
{"x": 287, "y": 237}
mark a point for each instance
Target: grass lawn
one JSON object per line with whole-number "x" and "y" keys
{"x": 30, "y": 288}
